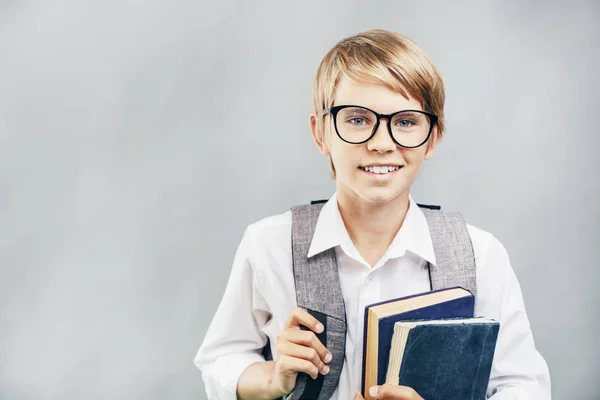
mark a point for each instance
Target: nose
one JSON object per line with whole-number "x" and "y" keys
{"x": 382, "y": 141}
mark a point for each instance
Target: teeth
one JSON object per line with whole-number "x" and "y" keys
{"x": 380, "y": 170}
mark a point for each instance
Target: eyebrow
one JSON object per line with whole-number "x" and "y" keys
{"x": 359, "y": 110}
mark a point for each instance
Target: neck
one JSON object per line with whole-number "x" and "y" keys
{"x": 372, "y": 227}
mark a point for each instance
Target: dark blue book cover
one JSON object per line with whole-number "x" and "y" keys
{"x": 462, "y": 307}
{"x": 457, "y": 308}
{"x": 449, "y": 361}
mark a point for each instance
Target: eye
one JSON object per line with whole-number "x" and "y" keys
{"x": 404, "y": 123}
{"x": 357, "y": 121}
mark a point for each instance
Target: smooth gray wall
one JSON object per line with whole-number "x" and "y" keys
{"x": 139, "y": 138}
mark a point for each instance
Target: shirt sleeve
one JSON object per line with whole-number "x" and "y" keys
{"x": 234, "y": 339}
{"x": 519, "y": 371}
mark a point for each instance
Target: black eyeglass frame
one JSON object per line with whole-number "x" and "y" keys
{"x": 334, "y": 111}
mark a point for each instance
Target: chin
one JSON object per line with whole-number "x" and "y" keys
{"x": 369, "y": 193}
{"x": 380, "y": 195}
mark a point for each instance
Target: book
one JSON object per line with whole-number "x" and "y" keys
{"x": 443, "y": 359}
{"x": 380, "y": 318}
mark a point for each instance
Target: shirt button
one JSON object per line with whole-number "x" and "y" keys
{"x": 368, "y": 280}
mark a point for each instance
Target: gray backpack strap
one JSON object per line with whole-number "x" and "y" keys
{"x": 319, "y": 291}
{"x": 455, "y": 259}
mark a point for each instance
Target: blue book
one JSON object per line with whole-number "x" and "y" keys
{"x": 380, "y": 318}
{"x": 443, "y": 359}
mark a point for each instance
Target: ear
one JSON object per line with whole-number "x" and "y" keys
{"x": 318, "y": 134}
{"x": 432, "y": 143}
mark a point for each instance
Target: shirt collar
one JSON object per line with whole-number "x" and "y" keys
{"x": 413, "y": 236}
{"x": 330, "y": 230}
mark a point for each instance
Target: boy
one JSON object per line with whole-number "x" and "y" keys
{"x": 378, "y": 114}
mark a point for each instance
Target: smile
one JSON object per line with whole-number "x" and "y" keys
{"x": 381, "y": 170}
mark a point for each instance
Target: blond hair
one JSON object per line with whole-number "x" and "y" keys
{"x": 385, "y": 57}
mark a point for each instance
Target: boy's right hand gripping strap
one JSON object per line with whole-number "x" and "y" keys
{"x": 318, "y": 290}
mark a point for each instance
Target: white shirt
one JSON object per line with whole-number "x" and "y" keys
{"x": 260, "y": 296}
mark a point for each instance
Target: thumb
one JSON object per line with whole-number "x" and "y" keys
{"x": 395, "y": 392}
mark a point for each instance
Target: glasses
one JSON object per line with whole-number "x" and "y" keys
{"x": 357, "y": 125}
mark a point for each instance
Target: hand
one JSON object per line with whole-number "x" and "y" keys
{"x": 391, "y": 392}
{"x": 299, "y": 351}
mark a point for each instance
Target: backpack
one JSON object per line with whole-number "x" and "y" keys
{"x": 318, "y": 288}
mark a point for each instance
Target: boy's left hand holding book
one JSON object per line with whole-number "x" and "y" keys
{"x": 391, "y": 392}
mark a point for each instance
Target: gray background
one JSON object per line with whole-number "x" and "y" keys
{"x": 139, "y": 138}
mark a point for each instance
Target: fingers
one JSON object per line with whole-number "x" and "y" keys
{"x": 393, "y": 392}
{"x": 300, "y": 350}
{"x": 307, "y": 339}
{"x": 306, "y": 353}
{"x": 301, "y": 317}
{"x": 294, "y": 365}
{"x": 358, "y": 396}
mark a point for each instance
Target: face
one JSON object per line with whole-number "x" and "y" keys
{"x": 356, "y": 179}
